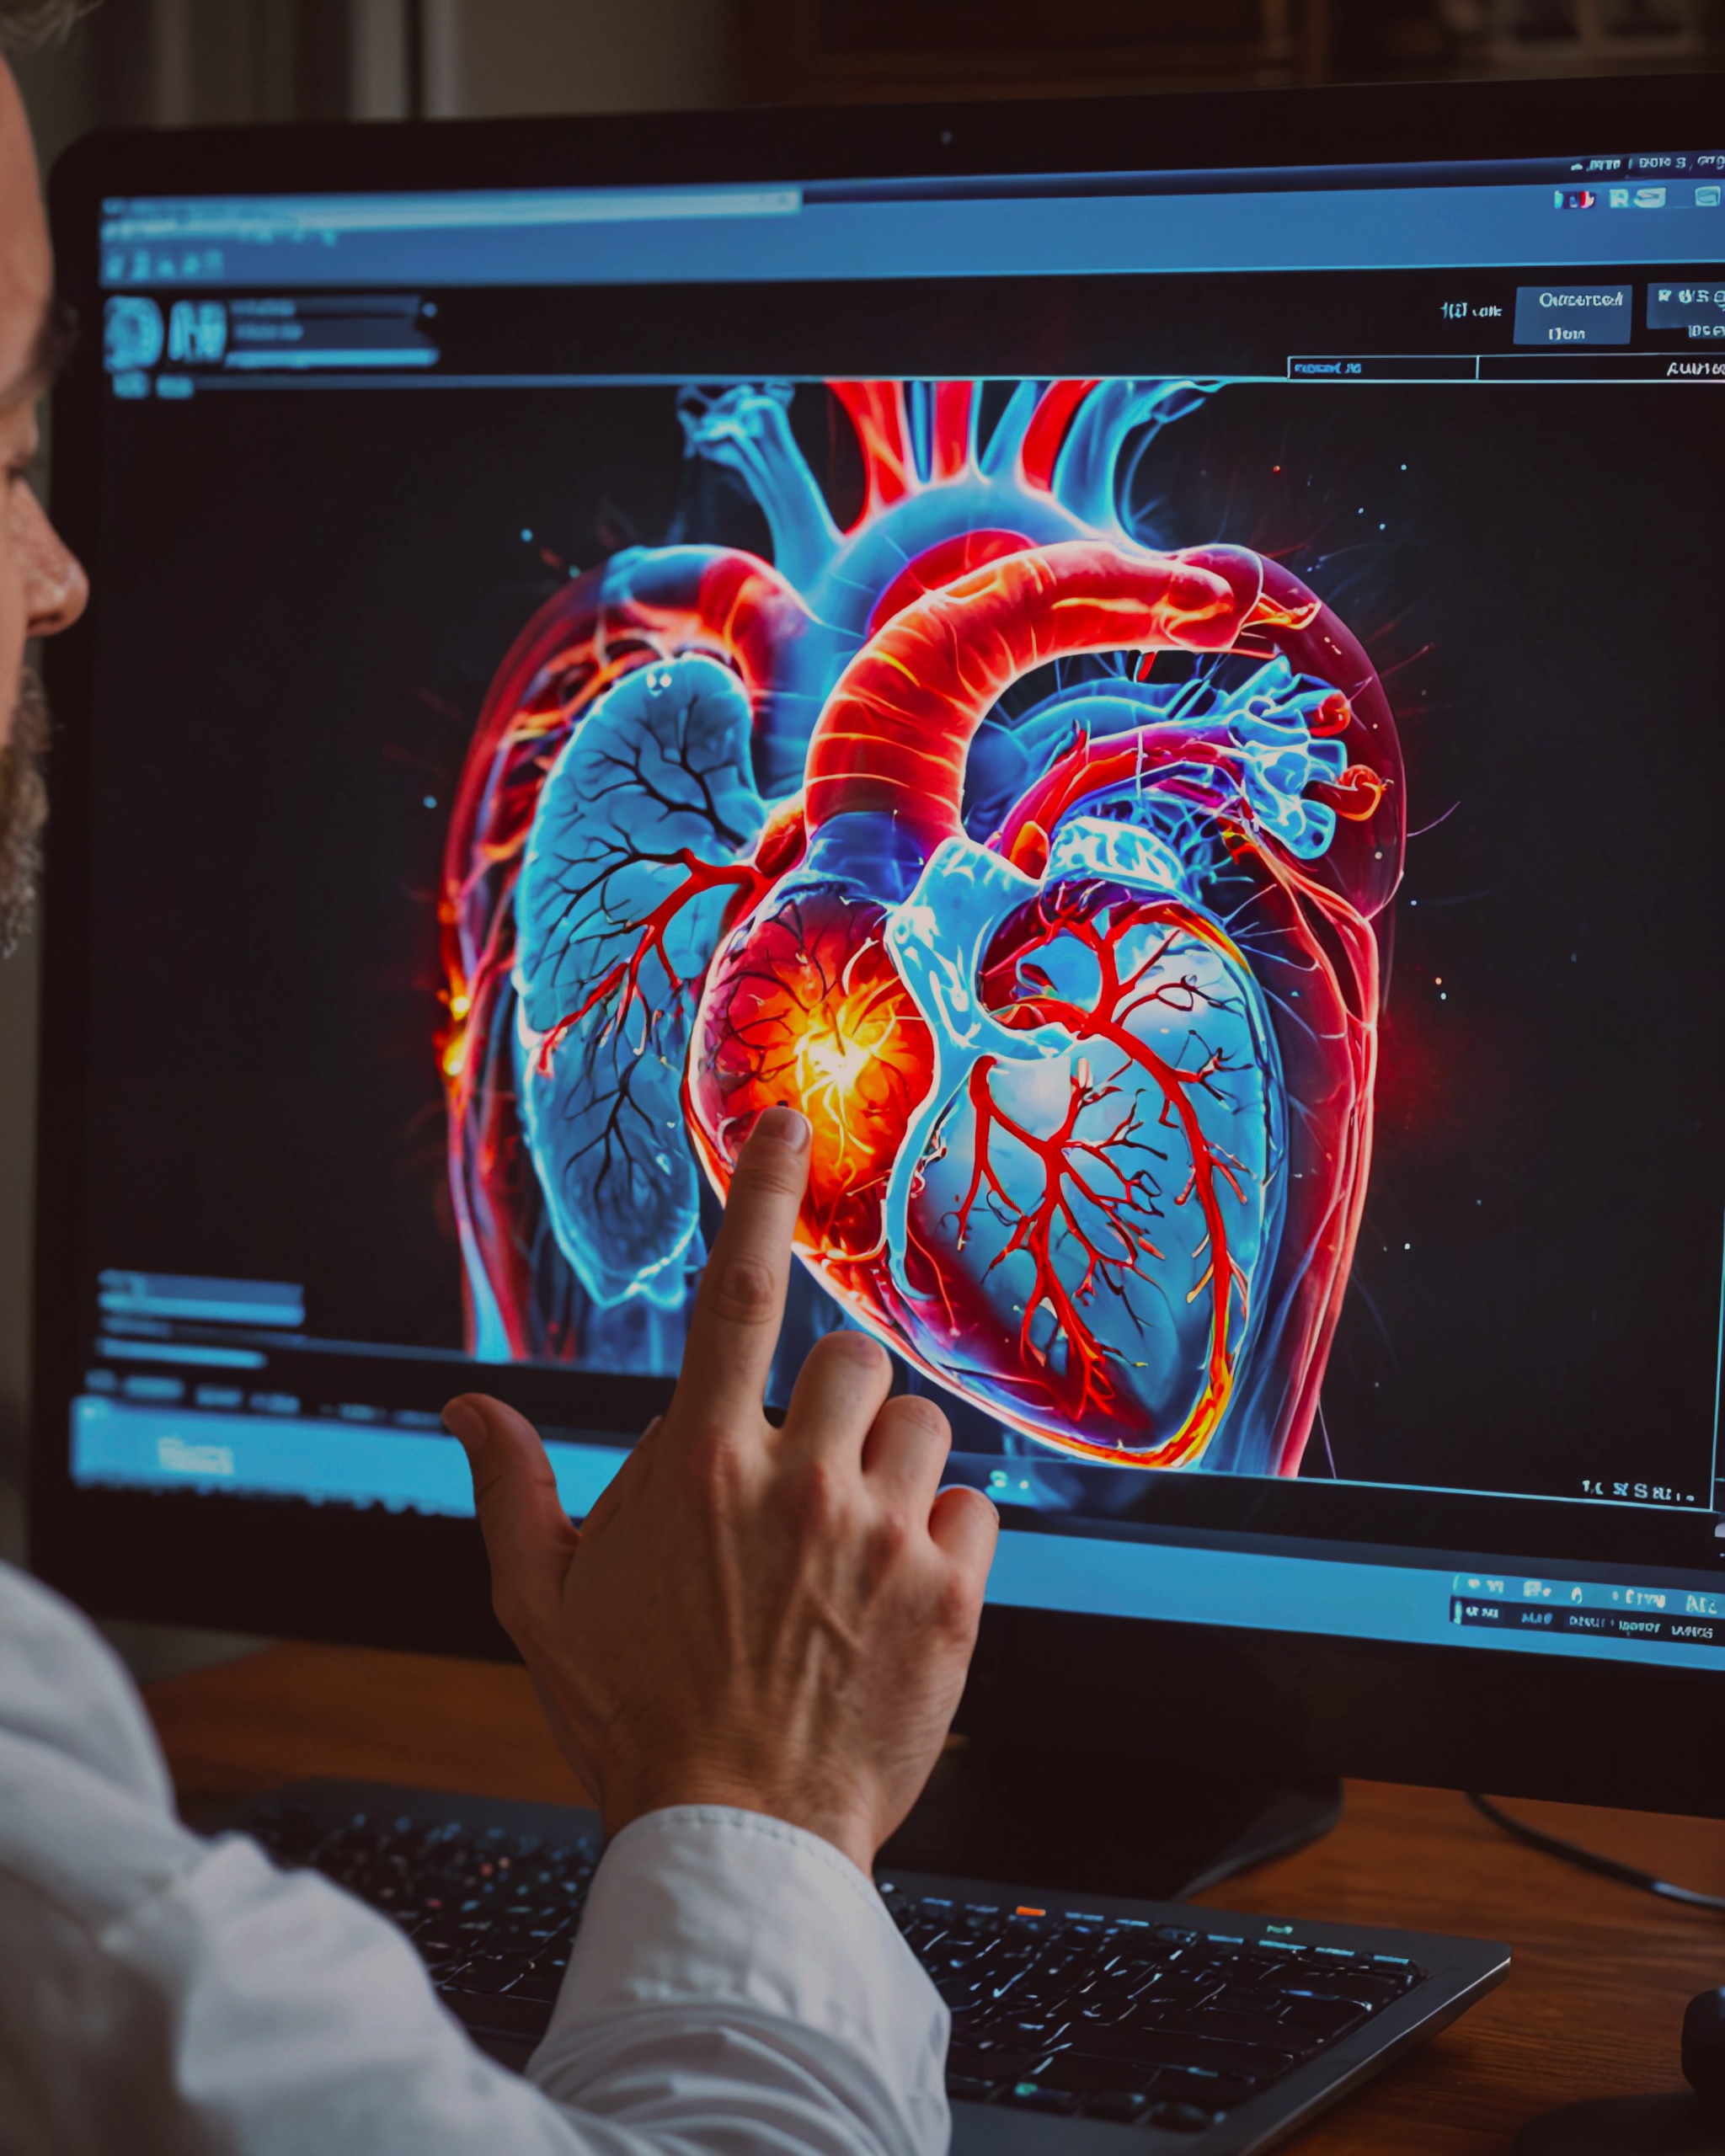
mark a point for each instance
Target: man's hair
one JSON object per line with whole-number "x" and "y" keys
{"x": 25, "y": 23}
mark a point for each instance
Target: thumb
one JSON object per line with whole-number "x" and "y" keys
{"x": 528, "y": 1537}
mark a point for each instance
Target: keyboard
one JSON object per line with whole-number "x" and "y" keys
{"x": 492, "y": 1911}
{"x": 1154, "y": 2016}
{"x": 1122, "y": 2019}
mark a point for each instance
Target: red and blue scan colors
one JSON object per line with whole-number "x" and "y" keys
{"x": 1045, "y": 870}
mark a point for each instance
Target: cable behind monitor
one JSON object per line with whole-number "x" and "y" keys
{"x": 1607, "y": 1867}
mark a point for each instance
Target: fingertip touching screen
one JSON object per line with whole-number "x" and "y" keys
{"x": 1170, "y": 714}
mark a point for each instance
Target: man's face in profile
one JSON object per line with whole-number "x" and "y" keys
{"x": 42, "y": 587}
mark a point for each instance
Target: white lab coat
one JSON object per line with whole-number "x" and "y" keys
{"x": 737, "y": 1985}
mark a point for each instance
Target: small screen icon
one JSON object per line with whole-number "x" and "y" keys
{"x": 1649, "y": 198}
{"x": 1575, "y": 198}
{"x": 1706, "y": 198}
{"x": 132, "y": 335}
{"x": 197, "y": 331}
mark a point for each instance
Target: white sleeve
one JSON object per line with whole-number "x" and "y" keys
{"x": 160, "y": 1993}
{"x": 738, "y": 1984}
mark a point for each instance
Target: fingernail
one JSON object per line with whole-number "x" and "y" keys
{"x": 464, "y": 1421}
{"x": 785, "y": 1127}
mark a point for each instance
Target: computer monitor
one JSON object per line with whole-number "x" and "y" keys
{"x": 1153, "y": 665}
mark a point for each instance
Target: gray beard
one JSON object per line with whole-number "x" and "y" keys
{"x": 24, "y": 810}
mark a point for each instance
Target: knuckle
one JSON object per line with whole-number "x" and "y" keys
{"x": 957, "y": 1606}
{"x": 892, "y": 1539}
{"x": 817, "y": 1498}
{"x": 821, "y": 1491}
{"x": 745, "y": 1291}
{"x": 709, "y": 1464}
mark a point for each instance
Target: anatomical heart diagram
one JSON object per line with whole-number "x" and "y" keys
{"x": 1043, "y": 869}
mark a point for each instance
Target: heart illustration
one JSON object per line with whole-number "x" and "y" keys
{"x": 1078, "y": 993}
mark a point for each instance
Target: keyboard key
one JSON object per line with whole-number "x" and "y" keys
{"x": 1154, "y": 2047}
{"x": 542, "y": 1982}
{"x": 959, "y": 1991}
{"x": 1071, "y": 2069}
{"x": 1216, "y": 2023}
{"x": 1232, "y": 1999}
{"x": 957, "y": 1951}
{"x": 492, "y": 1973}
{"x": 1031, "y": 1997}
{"x": 1208, "y": 2092}
{"x": 1034, "y": 2033}
{"x": 1251, "y": 1971}
{"x": 1325, "y": 2018}
{"x": 1376, "y": 1990}
{"x": 1125, "y": 2043}
{"x": 1124, "y": 2105}
{"x": 987, "y": 2061}
{"x": 1175, "y": 1987}
{"x": 1180, "y": 2118}
{"x": 1258, "y": 2063}
{"x": 1031, "y": 2097}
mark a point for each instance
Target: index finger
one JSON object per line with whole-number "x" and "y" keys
{"x": 734, "y": 1327}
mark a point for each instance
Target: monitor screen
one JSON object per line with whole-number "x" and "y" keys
{"x": 1170, "y": 712}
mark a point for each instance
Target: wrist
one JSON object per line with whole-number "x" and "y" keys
{"x": 850, "y": 1829}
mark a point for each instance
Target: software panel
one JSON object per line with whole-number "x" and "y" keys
{"x": 1175, "y": 716}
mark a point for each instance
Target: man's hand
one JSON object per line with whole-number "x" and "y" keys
{"x": 778, "y": 1619}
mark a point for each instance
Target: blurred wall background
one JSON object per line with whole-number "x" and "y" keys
{"x": 178, "y": 63}
{"x": 169, "y": 62}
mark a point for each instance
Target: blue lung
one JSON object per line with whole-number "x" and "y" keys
{"x": 658, "y": 775}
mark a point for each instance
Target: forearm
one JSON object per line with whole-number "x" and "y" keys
{"x": 737, "y": 1986}
{"x": 270, "y": 2014}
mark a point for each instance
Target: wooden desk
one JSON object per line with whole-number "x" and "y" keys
{"x": 1592, "y": 2007}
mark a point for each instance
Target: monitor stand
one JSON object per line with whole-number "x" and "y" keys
{"x": 1100, "y": 1824}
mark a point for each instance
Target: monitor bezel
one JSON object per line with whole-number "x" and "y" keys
{"x": 1533, "y": 1724}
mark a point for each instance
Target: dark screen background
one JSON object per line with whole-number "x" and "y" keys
{"x": 304, "y": 595}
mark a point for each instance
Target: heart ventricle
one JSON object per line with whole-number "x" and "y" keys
{"x": 805, "y": 1008}
{"x": 1051, "y": 1149}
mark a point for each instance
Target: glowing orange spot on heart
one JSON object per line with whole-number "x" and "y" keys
{"x": 806, "y": 1010}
